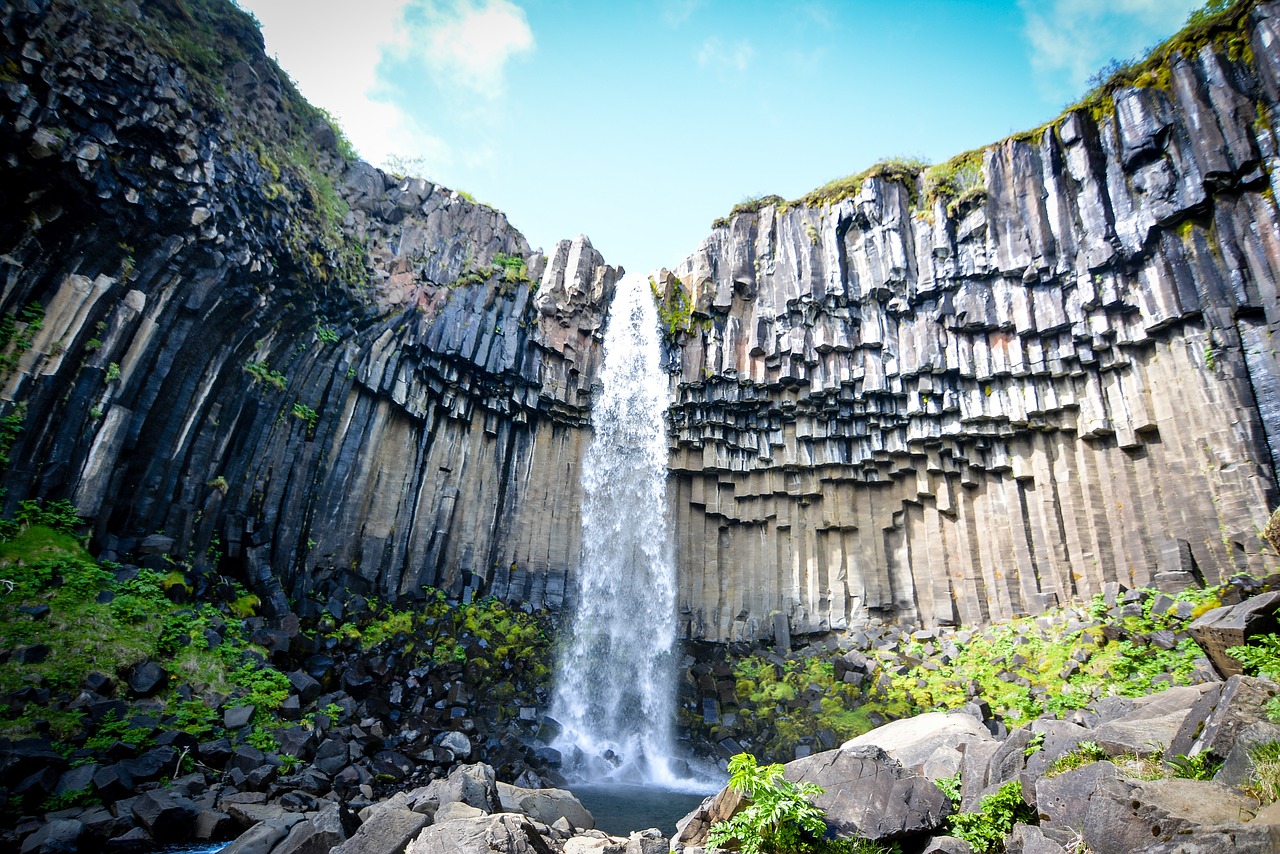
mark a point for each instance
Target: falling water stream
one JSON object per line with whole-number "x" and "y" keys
{"x": 615, "y": 686}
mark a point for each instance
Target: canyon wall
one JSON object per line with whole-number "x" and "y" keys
{"x": 958, "y": 407}
{"x": 227, "y": 340}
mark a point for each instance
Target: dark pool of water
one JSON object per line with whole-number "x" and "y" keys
{"x": 620, "y": 809}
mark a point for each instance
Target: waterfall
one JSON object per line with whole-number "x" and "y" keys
{"x": 615, "y": 686}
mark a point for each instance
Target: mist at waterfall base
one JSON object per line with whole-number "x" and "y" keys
{"x": 614, "y": 696}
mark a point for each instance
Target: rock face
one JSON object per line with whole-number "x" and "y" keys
{"x": 884, "y": 407}
{"x": 225, "y": 338}
{"x": 297, "y": 367}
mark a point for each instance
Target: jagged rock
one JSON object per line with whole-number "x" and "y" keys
{"x": 167, "y": 817}
{"x": 1142, "y": 736}
{"x": 1236, "y": 838}
{"x": 386, "y": 831}
{"x": 1232, "y": 625}
{"x": 1063, "y": 800}
{"x": 263, "y": 836}
{"x": 1216, "y": 720}
{"x": 868, "y": 794}
{"x": 317, "y": 835}
{"x": 1125, "y": 815}
{"x": 1237, "y": 767}
{"x": 56, "y": 837}
{"x": 147, "y": 678}
{"x": 545, "y": 805}
{"x": 947, "y": 845}
{"x": 504, "y": 833}
{"x": 1028, "y": 839}
{"x": 213, "y": 825}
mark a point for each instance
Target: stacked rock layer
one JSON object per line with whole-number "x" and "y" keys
{"x": 892, "y": 406}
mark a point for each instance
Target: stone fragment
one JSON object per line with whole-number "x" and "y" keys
{"x": 1125, "y": 815}
{"x": 869, "y": 794}
{"x": 545, "y": 805}
{"x": 386, "y": 831}
{"x": 1216, "y": 720}
{"x": 1232, "y": 625}
{"x": 491, "y": 834}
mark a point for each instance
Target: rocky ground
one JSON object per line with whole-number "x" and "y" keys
{"x": 372, "y": 741}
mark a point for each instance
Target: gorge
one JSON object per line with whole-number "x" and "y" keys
{"x": 352, "y": 457}
{"x": 928, "y": 396}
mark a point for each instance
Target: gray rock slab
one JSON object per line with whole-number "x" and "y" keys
{"x": 491, "y": 834}
{"x": 869, "y": 794}
{"x": 1127, "y": 815}
{"x": 1215, "y": 722}
{"x": 545, "y": 805}
{"x": 387, "y": 831}
{"x": 914, "y": 741}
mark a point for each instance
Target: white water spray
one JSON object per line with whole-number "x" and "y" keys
{"x": 614, "y": 694}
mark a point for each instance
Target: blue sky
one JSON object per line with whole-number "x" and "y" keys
{"x": 637, "y": 123}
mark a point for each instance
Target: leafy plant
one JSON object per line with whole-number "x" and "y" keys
{"x": 950, "y": 787}
{"x": 994, "y": 819}
{"x": 780, "y": 818}
{"x": 261, "y": 372}
{"x": 263, "y": 740}
{"x": 1034, "y": 745}
{"x": 307, "y": 414}
{"x": 1199, "y": 766}
{"x": 1260, "y": 656}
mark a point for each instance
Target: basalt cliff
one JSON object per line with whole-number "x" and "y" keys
{"x": 929, "y": 396}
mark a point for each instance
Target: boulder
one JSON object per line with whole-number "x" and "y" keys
{"x": 456, "y": 811}
{"x": 384, "y": 832}
{"x": 1027, "y": 839}
{"x": 1232, "y": 625}
{"x": 1125, "y": 815}
{"x": 1236, "y": 838}
{"x": 490, "y": 834}
{"x": 147, "y": 678}
{"x": 263, "y": 837}
{"x": 691, "y": 831}
{"x": 1063, "y": 800}
{"x": 545, "y": 805}
{"x": 1238, "y": 767}
{"x": 317, "y": 835}
{"x": 1216, "y": 720}
{"x": 168, "y": 817}
{"x": 926, "y": 744}
{"x": 869, "y": 794}
{"x": 56, "y": 837}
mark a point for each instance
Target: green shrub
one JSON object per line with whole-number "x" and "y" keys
{"x": 1260, "y": 656}
{"x": 997, "y": 813}
{"x": 780, "y": 818}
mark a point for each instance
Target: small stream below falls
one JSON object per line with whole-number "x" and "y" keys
{"x": 621, "y": 809}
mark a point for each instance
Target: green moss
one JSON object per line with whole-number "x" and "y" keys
{"x": 675, "y": 308}
{"x": 900, "y": 170}
{"x": 958, "y": 182}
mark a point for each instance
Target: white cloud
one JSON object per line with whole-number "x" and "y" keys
{"x": 468, "y": 42}
{"x": 676, "y": 12}
{"x": 734, "y": 57}
{"x": 335, "y": 58}
{"x": 1071, "y": 40}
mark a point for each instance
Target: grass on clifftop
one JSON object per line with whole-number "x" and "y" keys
{"x": 1219, "y": 24}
